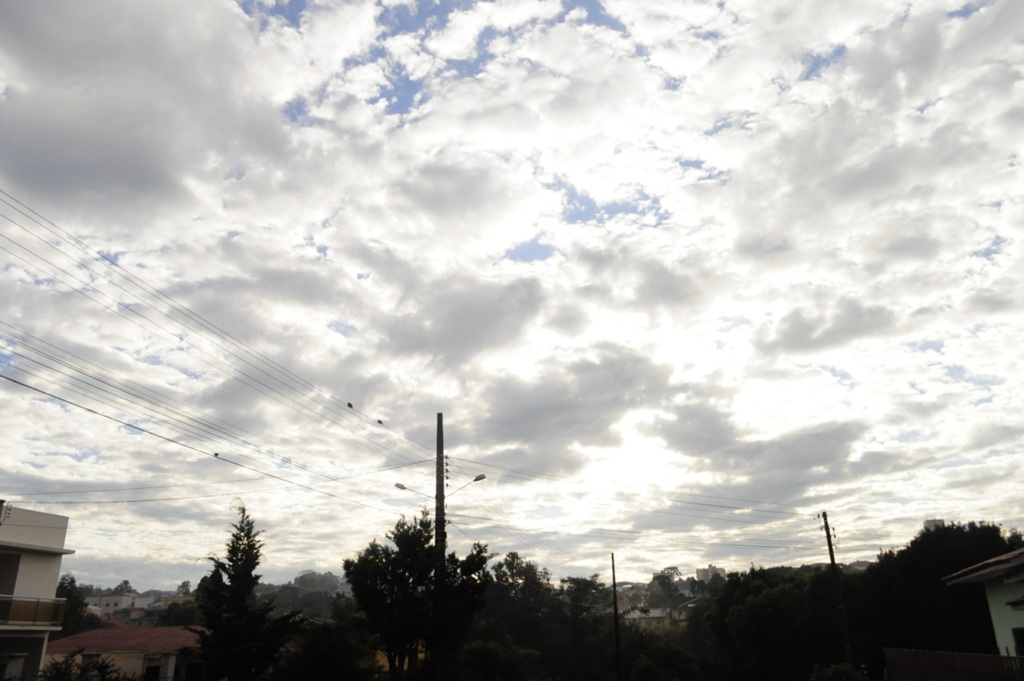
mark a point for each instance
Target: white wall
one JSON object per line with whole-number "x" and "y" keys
{"x": 1004, "y": 618}
{"x": 38, "y": 538}
{"x": 37, "y": 576}
{"x": 35, "y": 529}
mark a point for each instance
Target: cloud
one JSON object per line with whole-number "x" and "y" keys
{"x": 849, "y": 320}
{"x": 457, "y": 320}
{"x": 579, "y": 403}
{"x": 643, "y": 256}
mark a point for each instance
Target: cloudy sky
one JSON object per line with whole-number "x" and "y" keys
{"x": 679, "y": 275}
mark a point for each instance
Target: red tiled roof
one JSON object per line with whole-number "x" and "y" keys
{"x": 145, "y": 640}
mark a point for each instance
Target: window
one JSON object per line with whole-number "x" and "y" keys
{"x": 1018, "y": 641}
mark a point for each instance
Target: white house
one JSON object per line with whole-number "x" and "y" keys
{"x": 31, "y": 549}
{"x": 112, "y": 601}
{"x": 1003, "y": 577}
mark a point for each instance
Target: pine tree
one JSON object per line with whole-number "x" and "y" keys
{"x": 241, "y": 636}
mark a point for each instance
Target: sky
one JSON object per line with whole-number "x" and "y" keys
{"x": 679, "y": 277}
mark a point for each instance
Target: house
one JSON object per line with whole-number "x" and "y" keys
{"x": 1003, "y": 577}
{"x": 658, "y": 618}
{"x": 705, "y": 574}
{"x": 112, "y": 601}
{"x": 153, "y": 653}
{"x": 31, "y": 549}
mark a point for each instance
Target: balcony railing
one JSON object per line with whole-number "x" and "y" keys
{"x": 38, "y": 612}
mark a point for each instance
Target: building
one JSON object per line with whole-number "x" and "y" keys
{"x": 1003, "y": 577}
{"x": 152, "y": 653}
{"x": 112, "y": 601}
{"x": 31, "y": 549}
{"x": 705, "y": 574}
{"x": 654, "y": 618}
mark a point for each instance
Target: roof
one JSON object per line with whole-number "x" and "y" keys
{"x": 145, "y": 640}
{"x": 1009, "y": 567}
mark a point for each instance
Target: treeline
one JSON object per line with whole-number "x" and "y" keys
{"x": 781, "y": 624}
{"x": 503, "y": 618}
{"x": 514, "y": 624}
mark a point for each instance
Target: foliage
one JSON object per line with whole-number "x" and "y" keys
{"x": 783, "y": 623}
{"x": 316, "y": 581}
{"x": 74, "y": 606}
{"x": 663, "y": 592}
{"x": 72, "y": 668}
{"x": 310, "y": 593}
{"x": 179, "y": 615}
{"x": 336, "y": 649}
{"x": 184, "y": 589}
{"x": 241, "y": 637}
{"x": 394, "y": 586}
{"x": 530, "y": 629}
{"x": 77, "y": 618}
{"x": 125, "y": 587}
{"x": 908, "y": 605}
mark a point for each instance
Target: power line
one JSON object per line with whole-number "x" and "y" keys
{"x": 215, "y": 455}
{"x": 334, "y": 406}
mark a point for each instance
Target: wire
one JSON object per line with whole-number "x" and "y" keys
{"x": 279, "y": 370}
{"x": 190, "y": 447}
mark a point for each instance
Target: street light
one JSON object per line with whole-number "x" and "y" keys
{"x": 476, "y": 479}
{"x": 424, "y": 494}
{"x": 414, "y": 491}
{"x": 440, "y": 546}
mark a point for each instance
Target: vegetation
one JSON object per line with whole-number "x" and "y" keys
{"x": 335, "y": 649}
{"x": 394, "y": 586}
{"x": 73, "y": 668}
{"x": 507, "y": 621}
{"x": 76, "y": 617}
{"x": 241, "y": 636}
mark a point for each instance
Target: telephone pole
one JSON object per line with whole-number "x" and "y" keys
{"x": 839, "y": 593}
{"x": 440, "y": 546}
{"x": 615, "y": 614}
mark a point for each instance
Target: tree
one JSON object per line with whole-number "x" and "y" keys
{"x": 394, "y": 587}
{"x": 514, "y": 629}
{"x": 327, "y": 581}
{"x": 662, "y": 592}
{"x": 74, "y": 605}
{"x": 179, "y": 615}
{"x": 77, "y": 618}
{"x": 125, "y": 587}
{"x": 335, "y": 649}
{"x": 241, "y": 636}
{"x": 184, "y": 589}
{"x": 906, "y": 604}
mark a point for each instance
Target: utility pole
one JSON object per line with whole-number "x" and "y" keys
{"x": 615, "y": 614}
{"x": 440, "y": 546}
{"x": 839, "y": 594}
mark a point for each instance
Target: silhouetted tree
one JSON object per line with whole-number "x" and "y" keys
{"x": 394, "y": 586}
{"x": 74, "y": 606}
{"x": 907, "y": 604}
{"x": 77, "y": 617}
{"x": 316, "y": 581}
{"x": 179, "y": 615}
{"x": 125, "y": 587}
{"x": 241, "y": 636}
{"x": 336, "y": 649}
{"x": 662, "y": 592}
